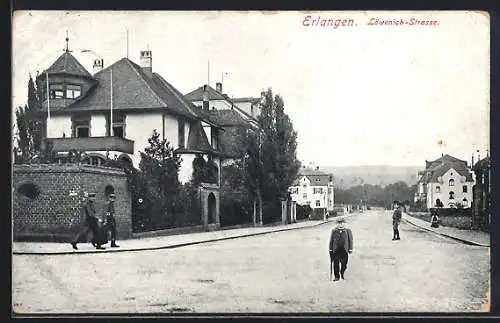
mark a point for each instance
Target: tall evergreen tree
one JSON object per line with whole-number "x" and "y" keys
{"x": 34, "y": 106}
{"x": 279, "y": 163}
{"x": 23, "y": 141}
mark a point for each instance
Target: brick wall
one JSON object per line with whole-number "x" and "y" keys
{"x": 55, "y": 213}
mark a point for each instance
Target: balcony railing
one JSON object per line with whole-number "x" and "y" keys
{"x": 92, "y": 144}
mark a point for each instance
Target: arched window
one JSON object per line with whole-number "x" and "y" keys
{"x": 464, "y": 188}
{"x": 29, "y": 190}
{"x": 465, "y": 203}
{"x": 438, "y": 189}
{"x": 109, "y": 189}
{"x": 451, "y": 182}
{"x": 452, "y": 195}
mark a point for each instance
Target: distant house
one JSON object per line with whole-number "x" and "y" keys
{"x": 227, "y": 113}
{"x": 140, "y": 100}
{"x": 446, "y": 182}
{"x": 481, "y": 206}
{"x": 313, "y": 187}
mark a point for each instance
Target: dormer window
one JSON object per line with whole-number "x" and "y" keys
{"x": 62, "y": 91}
{"x": 56, "y": 91}
{"x": 73, "y": 91}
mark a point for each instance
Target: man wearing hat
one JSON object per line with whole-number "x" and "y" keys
{"x": 90, "y": 222}
{"x": 340, "y": 246}
{"x": 396, "y": 219}
{"x": 110, "y": 218}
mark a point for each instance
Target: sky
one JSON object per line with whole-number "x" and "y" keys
{"x": 358, "y": 94}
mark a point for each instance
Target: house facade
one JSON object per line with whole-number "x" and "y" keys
{"x": 228, "y": 114}
{"x": 113, "y": 112}
{"x": 446, "y": 182}
{"x": 313, "y": 187}
{"x": 481, "y": 206}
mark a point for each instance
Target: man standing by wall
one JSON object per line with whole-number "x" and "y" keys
{"x": 110, "y": 219}
{"x": 341, "y": 244}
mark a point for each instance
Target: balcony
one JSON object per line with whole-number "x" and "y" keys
{"x": 92, "y": 144}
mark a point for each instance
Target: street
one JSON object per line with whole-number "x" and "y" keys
{"x": 277, "y": 272}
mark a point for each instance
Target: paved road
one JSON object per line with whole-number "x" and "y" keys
{"x": 277, "y": 272}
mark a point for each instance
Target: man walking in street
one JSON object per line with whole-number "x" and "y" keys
{"x": 340, "y": 246}
{"x": 396, "y": 219}
{"x": 90, "y": 223}
{"x": 110, "y": 219}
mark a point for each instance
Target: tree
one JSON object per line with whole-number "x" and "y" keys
{"x": 279, "y": 164}
{"x": 28, "y": 143}
{"x": 24, "y": 145}
{"x": 199, "y": 166}
{"x": 161, "y": 170}
{"x": 34, "y": 105}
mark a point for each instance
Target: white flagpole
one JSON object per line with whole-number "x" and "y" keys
{"x": 111, "y": 118}
{"x": 48, "y": 103}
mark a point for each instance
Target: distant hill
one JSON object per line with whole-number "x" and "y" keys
{"x": 348, "y": 176}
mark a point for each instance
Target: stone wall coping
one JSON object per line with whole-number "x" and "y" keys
{"x": 67, "y": 168}
{"x": 209, "y": 185}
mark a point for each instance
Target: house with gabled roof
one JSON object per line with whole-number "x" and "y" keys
{"x": 313, "y": 187}
{"x": 225, "y": 112}
{"x": 114, "y": 111}
{"x": 446, "y": 182}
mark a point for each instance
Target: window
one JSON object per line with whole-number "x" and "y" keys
{"x": 294, "y": 190}
{"x": 81, "y": 127}
{"x": 451, "y": 182}
{"x": 56, "y": 91}
{"x": 318, "y": 203}
{"x": 304, "y": 185}
{"x": 118, "y": 125}
{"x": 318, "y": 190}
{"x": 329, "y": 190}
{"x": 304, "y": 196}
{"x": 73, "y": 91}
{"x": 465, "y": 203}
{"x": 181, "y": 133}
{"x": 330, "y": 203}
{"x": 214, "y": 135}
{"x": 464, "y": 188}
{"x": 452, "y": 195}
{"x": 438, "y": 189}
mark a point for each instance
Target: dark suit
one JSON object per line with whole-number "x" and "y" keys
{"x": 396, "y": 219}
{"x": 339, "y": 252}
{"x": 88, "y": 210}
{"x": 110, "y": 219}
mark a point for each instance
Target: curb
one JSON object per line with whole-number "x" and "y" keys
{"x": 472, "y": 243}
{"x": 161, "y": 247}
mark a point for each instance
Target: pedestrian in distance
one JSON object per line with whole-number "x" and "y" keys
{"x": 396, "y": 220}
{"x": 339, "y": 247}
{"x": 110, "y": 219}
{"x": 91, "y": 223}
{"x": 434, "y": 219}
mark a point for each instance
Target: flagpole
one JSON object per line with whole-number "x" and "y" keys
{"x": 48, "y": 103}
{"x": 208, "y": 73}
{"x": 127, "y": 43}
{"x": 111, "y": 118}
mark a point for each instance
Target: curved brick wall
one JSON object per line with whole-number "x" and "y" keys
{"x": 54, "y": 215}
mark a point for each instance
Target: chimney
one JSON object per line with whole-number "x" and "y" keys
{"x": 218, "y": 87}
{"x": 146, "y": 62}
{"x": 98, "y": 65}
{"x": 205, "y": 98}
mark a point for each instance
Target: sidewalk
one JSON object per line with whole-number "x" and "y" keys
{"x": 477, "y": 238}
{"x": 164, "y": 242}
